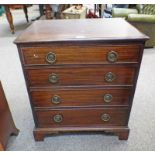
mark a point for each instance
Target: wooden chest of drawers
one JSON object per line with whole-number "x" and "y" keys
{"x": 81, "y": 74}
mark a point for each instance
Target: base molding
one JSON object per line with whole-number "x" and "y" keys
{"x": 41, "y": 133}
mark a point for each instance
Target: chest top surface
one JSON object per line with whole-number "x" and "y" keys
{"x": 80, "y": 30}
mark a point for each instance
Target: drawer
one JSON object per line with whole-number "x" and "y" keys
{"x": 80, "y": 97}
{"x": 95, "y": 75}
{"x": 82, "y": 117}
{"x": 80, "y": 54}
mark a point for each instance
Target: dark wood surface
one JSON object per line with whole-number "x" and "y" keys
{"x": 7, "y": 126}
{"x": 82, "y": 117}
{"x": 92, "y": 75}
{"x": 83, "y": 54}
{"x": 72, "y": 97}
{"x": 80, "y": 30}
{"x": 121, "y": 131}
{"x": 81, "y": 65}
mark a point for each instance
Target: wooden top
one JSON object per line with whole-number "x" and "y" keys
{"x": 108, "y": 29}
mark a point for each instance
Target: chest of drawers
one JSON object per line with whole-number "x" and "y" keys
{"x": 81, "y": 74}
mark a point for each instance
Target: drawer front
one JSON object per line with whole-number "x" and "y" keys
{"x": 82, "y": 117}
{"x": 80, "y": 54}
{"x": 80, "y": 97}
{"x": 101, "y": 75}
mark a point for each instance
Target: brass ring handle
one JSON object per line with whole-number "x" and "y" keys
{"x": 112, "y": 56}
{"x": 56, "y": 99}
{"x": 110, "y": 77}
{"x": 108, "y": 98}
{"x": 57, "y": 118}
{"x": 51, "y": 57}
{"x": 105, "y": 117}
{"x": 53, "y": 78}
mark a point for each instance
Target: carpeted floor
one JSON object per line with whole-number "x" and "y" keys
{"x": 142, "y": 120}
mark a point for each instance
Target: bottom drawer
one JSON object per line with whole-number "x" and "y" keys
{"x": 82, "y": 117}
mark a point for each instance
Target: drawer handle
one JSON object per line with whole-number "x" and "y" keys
{"x": 51, "y": 57}
{"x": 110, "y": 77}
{"x": 53, "y": 78}
{"x": 112, "y": 56}
{"x": 108, "y": 98}
{"x": 105, "y": 117}
{"x": 57, "y": 118}
{"x": 56, "y": 99}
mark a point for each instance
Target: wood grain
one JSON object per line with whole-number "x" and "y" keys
{"x": 80, "y": 97}
{"x": 82, "y": 117}
{"x": 81, "y": 48}
{"x": 80, "y": 54}
{"x": 94, "y": 75}
{"x": 80, "y": 30}
{"x": 121, "y": 131}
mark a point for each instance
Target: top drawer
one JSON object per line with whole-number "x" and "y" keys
{"x": 80, "y": 54}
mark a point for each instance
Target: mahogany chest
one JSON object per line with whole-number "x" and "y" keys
{"x": 81, "y": 74}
